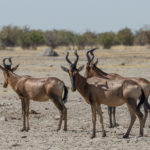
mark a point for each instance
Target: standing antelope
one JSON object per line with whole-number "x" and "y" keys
{"x": 112, "y": 93}
{"x": 93, "y": 70}
{"x": 38, "y": 89}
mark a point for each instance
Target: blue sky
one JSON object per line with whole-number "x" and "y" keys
{"x": 76, "y": 15}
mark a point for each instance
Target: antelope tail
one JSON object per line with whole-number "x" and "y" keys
{"x": 143, "y": 100}
{"x": 65, "y": 94}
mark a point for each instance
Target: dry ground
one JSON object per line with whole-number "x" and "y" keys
{"x": 43, "y": 135}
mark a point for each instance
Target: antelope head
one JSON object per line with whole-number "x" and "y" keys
{"x": 6, "y": 68}
{"x": 89, "y": 72}
{"x": 73, "y": 70}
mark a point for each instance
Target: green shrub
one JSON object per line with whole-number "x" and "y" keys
{"x": 80, "y": 41}
{"x": 10, "y": 36}
{"x": 142, "y": 37}
{"x": 31, "y": 38}
{"x": 66, "y": 37}
{"x": 26, "y": 38}
{"x": 2, "y": 46}
{"x": 51, "y": 39}
{"x": 107, "y": 39}
{"x": 125, "y": 36}
{"x": 91, "y": 38}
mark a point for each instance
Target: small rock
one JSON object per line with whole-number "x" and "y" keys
{"x": 24, "y": 137}
{"x": 15, "y": 145}
{"x": 48, "y": 52}
{"x": 51, "y": 65}
{"x": 123, "y": 64}
{"x": 33, "y": 112}
{"x": 2, "y": 104}
{"x": 5, "y": 104}
{"x": 57, "y": 117}
{"x": 3, "y": 119}
{"x": 15, "y": 118}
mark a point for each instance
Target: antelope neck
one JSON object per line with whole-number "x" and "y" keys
{"x": 99, "y": 72}
{"x": 81, "y": 84}
{"x": 13, "y": 79}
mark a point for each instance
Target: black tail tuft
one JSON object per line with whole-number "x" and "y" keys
{"x": 147, "y": 105}
{"x": 143, "y": 100}
{"x": 65, "y": 94}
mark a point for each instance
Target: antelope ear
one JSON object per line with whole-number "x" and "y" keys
{"x": 3, "y": 69}
{"x": 64, "y": 69}
{"x": 15, "y": 68}
{"x": 80, "y": 68}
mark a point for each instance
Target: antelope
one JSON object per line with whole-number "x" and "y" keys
{"x": 111, "y": 93}
{"x": 37, "y": 89}
{"x": 93, "y": 70}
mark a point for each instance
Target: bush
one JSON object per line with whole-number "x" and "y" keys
{"x": 35, "y": 38}
{"x": 51, "y": 39}
{"x": 10, "y": 36}
{"x": 125, "y": 36}
{"x": 66, "y": 37}
{"x": 26, "y": 38}
{"x": 107, "y": 39}
{"x": 142, "y": 37}
{"x": 2, "y": 46}
{"x": 80, "y": 41}
{"x": 31, "y": 38}
{"x": 91, "y": 38}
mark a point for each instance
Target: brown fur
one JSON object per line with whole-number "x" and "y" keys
{"x": 112, "y": 93}
{"x": 92, "y": 70}
{"x": 37, "y": 89}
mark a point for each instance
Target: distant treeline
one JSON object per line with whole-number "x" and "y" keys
{"x": 27, "y": 38}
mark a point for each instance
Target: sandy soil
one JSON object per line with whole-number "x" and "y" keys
{"x": 42, "y": 134}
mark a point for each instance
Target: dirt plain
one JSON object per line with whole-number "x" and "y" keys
{"x": 42, "y": 134}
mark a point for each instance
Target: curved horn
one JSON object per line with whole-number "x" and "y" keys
{"x": 92, "y": 55}
{"x": 4, "y": 61}
{"x": 67, "y": 54}
{"x": 77, "y": 57}
{"x": 4, "y": 64}
{"x": 91, "y": 52}
{"x": 88, "y": 57}
{"x": 10, "y": 61}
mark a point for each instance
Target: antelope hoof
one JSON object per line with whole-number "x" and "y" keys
{"x": 93, "y": 136}
{"x": 22, "y": 130}
{"x": 126, "y": 136}
{"x": 27, "y": 129}
{"x": 65, "y": 129}
{"x": 141, "y": 135}
{"x": 116, "y": 125}
{"x": 111, "y": 126}
{"x": 104, "y": 134}
{"x": 58, "y": 129}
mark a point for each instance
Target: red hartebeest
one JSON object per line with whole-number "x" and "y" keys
{"x": 37, "y": 89}
{"x": 112, "y": 93}
{"x": 93, "y": 70}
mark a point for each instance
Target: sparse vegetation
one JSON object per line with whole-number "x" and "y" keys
{"x": 125, "y": 36}
{"x": 107, "y": 39}
{"x": 11, "y": 36}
